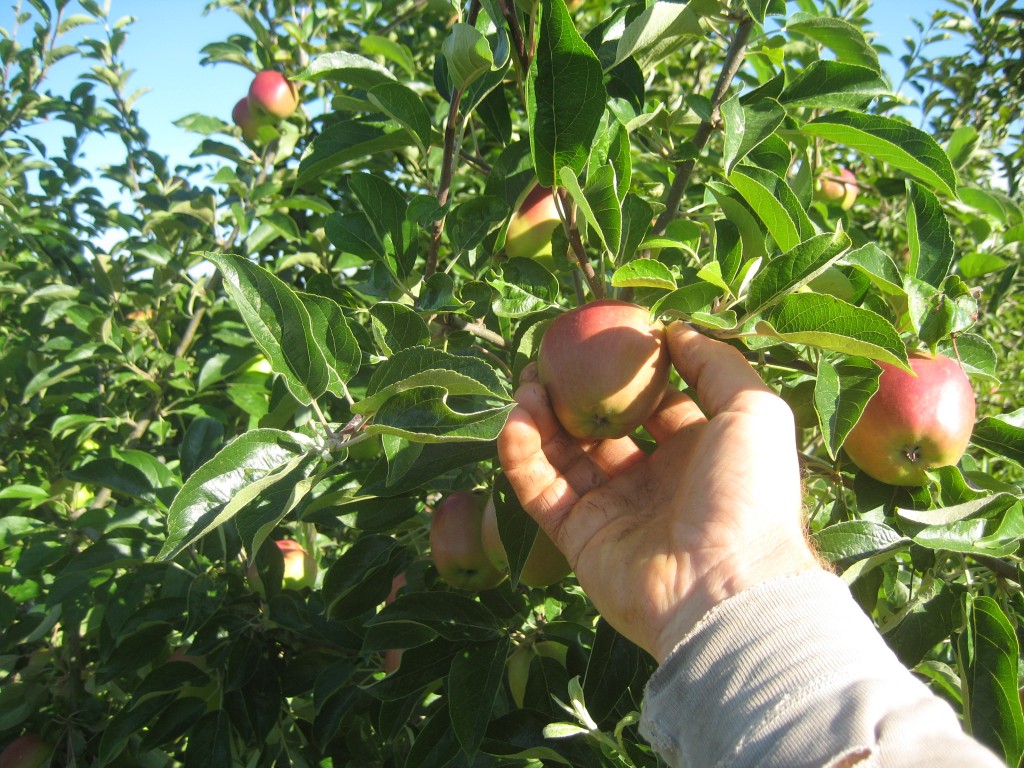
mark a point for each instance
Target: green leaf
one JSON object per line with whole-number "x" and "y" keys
{"x": 476, "y": 676}
{"x": 747, "y": 125}
{"x": 278, "y": 322}
{"x": 637, "y": 215}
{"x": 345, "y": 67}
{"x": 644, "y": 273}
{"x": 975, "y": 354}
{"x": 452, "y": 616}
{"x": 797, "y": 267}
{"x": 891, "y": 141}
{"x": 428, "y": 367}
{"x": 931, "y": 244}
{"x": 346, "y": 140}
{"x": 993, "y": 203}
{"x": 256, "y": 521}
{"x": 834, "y": 85}
{"x": 425, "y": 415}
{"x": 467, "y": 53}
{"x": 396, "y": 327}
{"x": 234, "y": 477}
{"x": 387, "y": 210}
{"x": 838, "y": 35}
{"x": 841, "y": 391}
{"x": 989, "y": 653}
{"x": 1002, "y": 435}
{"x": 775, "y": 203}
{"x": 470, "y": 222}
{"x": 401, "y": 103}
{"x": 687, "y": 300}
{"x": 826, "y": 322}
{"x": 654, "y": 34}
{"x": 335, "y": 339}
{"x": 603, "y": 201}
{"x": 875, "y": 264}
{"x": 847, "y": 542}
{"x": 565, "y": 96}
{"x": 376, "y": 45}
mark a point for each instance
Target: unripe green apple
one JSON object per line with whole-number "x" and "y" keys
{"x": 271, "y": 94}
{"x": 27, "y": 751}
{"x": 299, "y": 566}
{"x": 841, "y": 189}
{"x": 529, "y": 230}
{"x": 913, "y": 424}
{"x": 244, "y": 118}
{"x": 456, "y": 542}
{"x": 545, "y": 565}
{"x": 605, "y": 367}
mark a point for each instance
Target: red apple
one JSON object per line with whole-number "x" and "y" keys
{"x": 545, "y": 565}
{"x": 911, "y": 425}
{"x": 605, "y": 367}
{"x": 456, "y": 543}
{"x": 531, "y": 226}
{"x": 272, "y": 95}
{"x": 245, "y": 119}
{"x": 841, "y": 188}
{"x": 393, "y": 656}
{"x": 27, "y": 751}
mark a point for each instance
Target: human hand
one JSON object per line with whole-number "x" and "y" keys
{"x": 657, "y": 541}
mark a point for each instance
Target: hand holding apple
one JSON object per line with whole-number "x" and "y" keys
{"x": 658, "y": 540}
{"x": 913, "y": 424}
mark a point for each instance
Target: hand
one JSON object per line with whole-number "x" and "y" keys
{"x": 658, "y": 540}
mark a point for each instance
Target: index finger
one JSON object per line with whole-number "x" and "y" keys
{"x": 721, "y": 376}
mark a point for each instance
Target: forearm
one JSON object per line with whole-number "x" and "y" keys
{"x": 792, "y": 673}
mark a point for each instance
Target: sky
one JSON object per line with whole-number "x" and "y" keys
{"x": 164, "y": 48}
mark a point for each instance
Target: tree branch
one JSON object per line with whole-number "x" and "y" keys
{"x": 684, "y": 169}
{"x": 569, "y": 217}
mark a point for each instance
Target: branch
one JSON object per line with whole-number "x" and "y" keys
{"x": 684, "y": 169}
{"x": 998, "y": 567}
{"x": 459, "y": 323}
{"x": 518, "y": 42}
{"x": 569, "y": 218}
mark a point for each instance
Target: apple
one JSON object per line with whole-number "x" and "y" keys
{"x": 529, "y": 230}
{"x": 545, "y": 565}
{"x": 605, "y": 367}
{"x": 272, "y": 95}
{"x": 913, "y": 424}
{"x": 299, "y": 566}
{"x": 244, "y": 118}
{"x": 456, "y": 542}
{"x": 393, "y": 656}
{"x": 27, "y": 751}
{"x": 841, "y": 189}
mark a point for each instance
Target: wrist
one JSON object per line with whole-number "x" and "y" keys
{"x": 733, "y": 576}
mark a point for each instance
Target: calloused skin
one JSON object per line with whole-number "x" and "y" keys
{"x": 657, "y": 541}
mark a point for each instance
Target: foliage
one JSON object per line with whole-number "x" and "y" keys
{"x": 317, "y": 335}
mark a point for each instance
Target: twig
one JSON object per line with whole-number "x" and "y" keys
{"x": 684, "y": 169}
{"x": 569, "y": 218}
{"x": 998, "y": 567}
{"x": 518, "y": 42}
{"x": 459, "y": 323}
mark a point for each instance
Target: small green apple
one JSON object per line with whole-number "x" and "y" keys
{"x": 456, "y": 542}
{"x": 842, "y": 188}
{"x": 246, "y": 120}
{"x": 914, "y": 423}
{"x": 299, "y": 566}
{"x": 529, "y": 230}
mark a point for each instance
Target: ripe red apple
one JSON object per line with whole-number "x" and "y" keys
{"x": 244, "y": 118}
{"x": 27, "y": 751}
{"x": 914, "y": 424}
{"x": 605, "y": 367}
{"x": 456, "y": 543}
{"x": 842, "y": 189}
{"x": 272, "y": 94}
{"x": 545, "y": 565}
{"x": 529, "y": 230}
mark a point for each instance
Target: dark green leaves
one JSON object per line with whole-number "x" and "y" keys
{"x": 565, "y": 96}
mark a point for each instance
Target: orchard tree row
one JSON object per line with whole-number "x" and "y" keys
{"x": 251, "y": 511}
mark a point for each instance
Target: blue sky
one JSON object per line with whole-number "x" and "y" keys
{"x": 164, "y": 47}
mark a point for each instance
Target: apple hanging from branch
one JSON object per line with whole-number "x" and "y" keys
{"x": 244, "y": 118}
{"x": 529, "y": 230}
{"x": 272, "y": 95}
{"x": 842, "y": 188}
{"x": 605, "y": 367}
{"x": 456, "y": 542}
{"x": 913, "y": 424}
{"x": 29, "y": 750}
{"x": 545, "y": 565}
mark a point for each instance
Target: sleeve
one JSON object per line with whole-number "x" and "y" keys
{"x": 792, "y": 673}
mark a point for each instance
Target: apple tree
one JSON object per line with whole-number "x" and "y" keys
{"x": 312, "y": 333}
